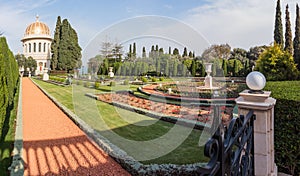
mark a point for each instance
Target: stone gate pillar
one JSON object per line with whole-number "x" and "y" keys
{"x": 263, "y": 106}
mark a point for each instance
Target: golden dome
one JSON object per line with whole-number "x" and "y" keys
{"x": 37, "y": 28}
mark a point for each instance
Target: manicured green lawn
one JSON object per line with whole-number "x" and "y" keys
{"x": 137, "y": 134}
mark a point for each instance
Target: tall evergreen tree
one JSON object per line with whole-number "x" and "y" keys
{"x": 224, "y": 67}
{"x": 144, "y": 53}
{"x": 288, "y": 32}
{"x": 193, "y": 71}
{"x": 297, "y": 39}
{"x": 55, "y": 45}
{"x": 175, "y": 51}
{"x": 69, "y": 51}
{"x": 160, "y": 51}
{"x": 167, "y": 68}
{"x": 130, "y": 52}
{"x": 134, "y": 50}
{"x": 184, "y": 69}
{"x": 175, "y": 69}
{"x": 278, "y": 31}
{"x": 191, "y": 54}
{"x": 235, "y": 68}
{"x": 170, "y": 52}
{"x": 185, "y": 53}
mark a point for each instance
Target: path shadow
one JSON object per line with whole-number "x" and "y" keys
{"x": 67, "y": 156}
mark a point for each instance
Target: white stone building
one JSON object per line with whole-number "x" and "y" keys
{"x": 36, "y": 43}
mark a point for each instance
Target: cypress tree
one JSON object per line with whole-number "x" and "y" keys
{"x": 235, "y": 68}
{"x": 8, "y": 82}
{"x": 297, "y": 39}
{"x": 134, "y": 50}
{"x": 130, "y": 52}
{"x": 185, "y": 53}
{"x": 144, "y": 53}
{"x": 193, "y": 68}
{"x": 278, "y": 32}
{"x": 224, "y": 67}
{"x": 158, "y": 65}
{"x": 184, "y": 69}
{"x": 160, "y": 51}
{"x": 167, "y": 68}
{"x": 55, "y": 44}
{"x": 170, "y": 52}
{"x": 175, "y": 69}
{"x": 175, "y": 51}
{"x": 69, "y": 51}
{"x": 191, "y": 54}
{"x": 288, "y": 32}
{"x": 152, "y": 48}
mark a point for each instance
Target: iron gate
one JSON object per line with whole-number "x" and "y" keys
{"x": 231, "y": 149}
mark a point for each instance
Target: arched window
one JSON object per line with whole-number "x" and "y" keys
{"x": 40, "y": 47}
{"x": 34, "y": 47}
{"x": 25, "y": 48}
{"x": 30, "y": 47}
{"x": 44, "y": 47}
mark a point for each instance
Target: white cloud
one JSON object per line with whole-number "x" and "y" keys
{"x": 243, "y": 24}
{"x": 14, "y": 19}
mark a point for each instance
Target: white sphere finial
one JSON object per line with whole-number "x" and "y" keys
{"x": 256, "y": 81}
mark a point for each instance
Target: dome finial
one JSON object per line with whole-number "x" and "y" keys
{"x": 37, "y": 17}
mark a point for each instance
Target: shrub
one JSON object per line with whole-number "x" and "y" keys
{"x": 78, "y": 82}
{"x": 277, "y": 65}
{"x": 86, "y": 84}
{"x": 62, "y": 80}
{"x": 97, "y": 85}
{"x": 144, "y": 79}
{"x": 153, "y": 79}
{"x": 126, "y": 82}
{"x": 161, "y": 79}
{"x": 112, "y": 83}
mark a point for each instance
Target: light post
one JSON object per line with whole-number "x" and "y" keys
{"x": 263, "y": 107}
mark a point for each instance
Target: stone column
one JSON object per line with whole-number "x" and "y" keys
{"x": 263, "y": 106}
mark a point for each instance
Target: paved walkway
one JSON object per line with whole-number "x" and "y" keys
{"x": 54, "y": 145}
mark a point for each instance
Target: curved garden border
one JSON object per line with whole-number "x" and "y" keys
{"x": 186, "y": 99}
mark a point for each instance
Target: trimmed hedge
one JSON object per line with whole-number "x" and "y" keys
{"x": 144, "y": 79}
{"x": 112, "y": 83}
{"x": 9, "y": 76}
{"x": 126, "y": 82}
{"x": 287, "y": 125}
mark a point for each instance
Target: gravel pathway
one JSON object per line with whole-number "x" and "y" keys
{"x": 54, "y": 145}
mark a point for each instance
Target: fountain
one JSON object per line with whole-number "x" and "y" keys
{"x": 208, "y": 79}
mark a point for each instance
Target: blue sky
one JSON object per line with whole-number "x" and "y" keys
{"x": 240, "y": 23}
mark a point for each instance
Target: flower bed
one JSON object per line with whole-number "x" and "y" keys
{"x": 197, "y": 113}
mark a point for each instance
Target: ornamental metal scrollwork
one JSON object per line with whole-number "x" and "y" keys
{"x": 231, "y": 148}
